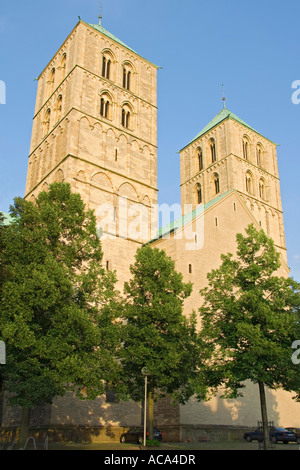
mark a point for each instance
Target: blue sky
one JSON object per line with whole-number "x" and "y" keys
{"x": 253, "y": 48}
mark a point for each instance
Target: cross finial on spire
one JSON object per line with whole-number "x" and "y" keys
{"x": 224, "y": 99}
{"x": 100, "y": 12}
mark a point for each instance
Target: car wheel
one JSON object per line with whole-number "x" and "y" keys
{"x": 249, "y": 439}
{"x": 123, "y": 439}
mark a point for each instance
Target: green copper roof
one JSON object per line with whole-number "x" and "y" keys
{"x": 178, "y": 223}
{"x": 7, "y": 218}
{"x": 224, "y": 114}
{"x": 114, "y": 38}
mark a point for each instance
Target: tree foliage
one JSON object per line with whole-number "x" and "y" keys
{"x": 57, "y": 303}
{"x": 251, "y": 318}
{"x": 155, "y": 333}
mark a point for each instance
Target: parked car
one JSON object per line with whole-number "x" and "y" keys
{"x": 157, "y": 435}
{"x": 276, "y": 435}
{"x": 137, "y": 435}
{"x": 296, "y": 431}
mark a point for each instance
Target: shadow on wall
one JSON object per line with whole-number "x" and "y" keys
{"x": 244, "y": 411}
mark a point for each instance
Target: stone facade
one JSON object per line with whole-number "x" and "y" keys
{"x": 95, "y": 126}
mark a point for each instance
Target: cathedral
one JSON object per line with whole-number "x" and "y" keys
{"x": 95, "y": 127}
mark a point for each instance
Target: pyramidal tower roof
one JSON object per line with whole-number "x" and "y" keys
{"x": 222, "y": 116}
{"x": 104, "y": 31}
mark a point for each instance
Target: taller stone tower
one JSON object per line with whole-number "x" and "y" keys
{"x": 95, "y": 127}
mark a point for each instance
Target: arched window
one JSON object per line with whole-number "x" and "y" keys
{"x": 126, "y": 117}
{"x": 198, "y": 193}
{"x": 63, "y": 64}
{"x": 262, "y": 189}
{"x": 200, "y": 158}
{"x": 245, "y": 149}
{"x": 126, "y": 78}
{"x": 212, "y": 144}
{"x": 51, "y": 81}
{"x": 259, "y": 156}
{"x": 216, "y": 181}
{"x": 249, "y": 183}
{"x": 58, "y": 108}
{"x": 105, "y": 106}
{"x": 128, "y": 74}
{"x": 47, "y": 121}
{"x": 106, "y": 65}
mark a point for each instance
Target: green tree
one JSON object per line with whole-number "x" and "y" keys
{"x": 2, "y": 264}
{"x": 2, "y": 277}
{"x": 57, "y": 303}
{"x": 156, "y": 334}
{"x": 250, "y": 320}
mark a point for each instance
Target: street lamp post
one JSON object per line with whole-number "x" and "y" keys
{"x": 145, "y": 373}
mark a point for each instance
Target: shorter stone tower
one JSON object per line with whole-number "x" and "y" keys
{"x": 229, "y": 154}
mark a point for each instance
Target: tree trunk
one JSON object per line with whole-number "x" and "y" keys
{"x": 264, "y": 415}
{"x": 151, "y": 413}
{"x": 24, "y": 429}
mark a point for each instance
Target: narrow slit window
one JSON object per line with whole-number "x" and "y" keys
{"x": 102, "y": 107}
{"x": 199, "y": 194}
{"x": 127, "y": 120}
{"x": 217, "y": 183}
{"x": 213, "y": 150}
{"x": 103, "y": 66}
{"x": 200, "y": 159}
{"x": 128, "y": 80}
{"x": 190, "y": 269}
{"x": 108, "y": 69}
{"x": 106, "y": 113}
{"x": 245, "y": 149}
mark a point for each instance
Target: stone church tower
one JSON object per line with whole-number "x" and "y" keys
{"x": 95, "y": 127}
{"x": 229, "y": 179}
{"x": 229, "y": 154}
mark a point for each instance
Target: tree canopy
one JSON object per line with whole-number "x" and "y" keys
{"x": 251, "y": 319}
{"x": 56, "y": 310}
{"x": 156, "y": 334}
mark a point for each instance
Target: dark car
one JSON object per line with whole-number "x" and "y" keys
{"x": 157, "y": 435}
{"x": 296, "y": 431}
{"x": 276, "y": 435}
{"x": 137, "y": 435}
